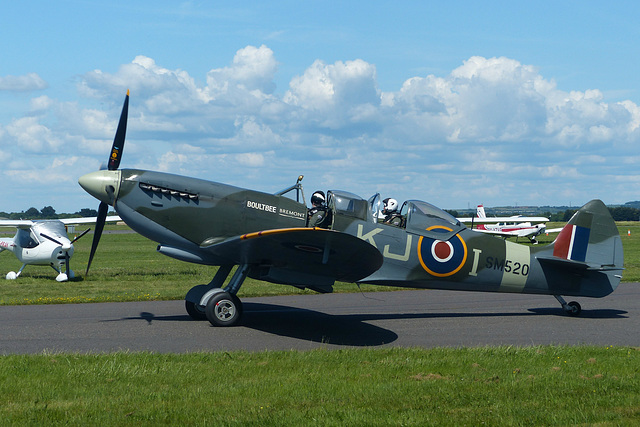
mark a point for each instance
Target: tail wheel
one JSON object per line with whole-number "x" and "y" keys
{"x": 574, "y": 308}
{"x": 223, "y": 309}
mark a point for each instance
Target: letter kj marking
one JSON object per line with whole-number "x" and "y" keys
{"x": 442, "y": 258}
{"x": 407, "y": 251}
{"x": 369, "y": 236}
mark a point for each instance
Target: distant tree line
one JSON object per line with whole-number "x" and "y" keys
{"x": 620, "y": 213}
{"x": 624, "y": 213}
{"x": 47, "y": 212}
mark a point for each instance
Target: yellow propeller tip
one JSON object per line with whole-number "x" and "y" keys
{"x": 127, "y": 92}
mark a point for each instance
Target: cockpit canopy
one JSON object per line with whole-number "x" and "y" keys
{"x": 425, "y": 219}
{"x": 418, "y": 217}
{"x": 31, "y": 237}
{"x": 349, "y": 204}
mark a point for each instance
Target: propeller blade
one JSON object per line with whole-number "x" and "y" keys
{"x": 51, "y": 238}
{"x": 118, "y": 141}
{"x": 102, "y": 216}
{"x": 83, "y": 233}
{"x": 66, "y": 260}
{"x": 113, "y": 164}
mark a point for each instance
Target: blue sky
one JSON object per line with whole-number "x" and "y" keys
{"x": 499, "y": 103}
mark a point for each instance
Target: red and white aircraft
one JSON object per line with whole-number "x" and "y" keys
{"x": 513, "y": 226}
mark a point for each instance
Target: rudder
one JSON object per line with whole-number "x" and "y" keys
{"x": 591, "y": 243}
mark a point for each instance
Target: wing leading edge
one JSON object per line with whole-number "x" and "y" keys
{"x": 26, "y": 223}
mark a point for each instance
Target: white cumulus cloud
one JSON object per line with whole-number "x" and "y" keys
{"x": 26, "y": 83}
{"x": 492, "y": 127}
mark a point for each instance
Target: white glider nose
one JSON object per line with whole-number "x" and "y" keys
{"x": 103, "y": 185}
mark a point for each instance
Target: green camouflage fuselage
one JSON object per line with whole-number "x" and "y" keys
{"x": 431, "y": 251}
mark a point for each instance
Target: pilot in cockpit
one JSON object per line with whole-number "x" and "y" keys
{"x": 390, "y": 211}
{"x": 318, "y": 215}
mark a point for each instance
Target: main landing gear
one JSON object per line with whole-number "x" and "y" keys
{"x": 572, "y": 308}
{"x": 221, "y": 307}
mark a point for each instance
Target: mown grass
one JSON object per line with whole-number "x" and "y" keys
{"x": 546, "y": 385}
{"x": 441, "y": 386}
{"x": 128, "y": 268}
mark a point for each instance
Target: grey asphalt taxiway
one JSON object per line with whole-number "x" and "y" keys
{"x": 423, "y": 318}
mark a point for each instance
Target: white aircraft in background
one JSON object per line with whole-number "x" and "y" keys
{"x": 512, "y": 226}
{"x": 44, "y": 242}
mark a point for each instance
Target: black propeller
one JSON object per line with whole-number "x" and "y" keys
{"x": 81, "y": 234}
{"x": 51, "y": 238}
{"x": 113, "y": 164}
{"x": 66, "y": 252}
{"x": 118, "y": 141}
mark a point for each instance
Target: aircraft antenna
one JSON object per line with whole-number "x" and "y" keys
{"x": 365, "y": 295}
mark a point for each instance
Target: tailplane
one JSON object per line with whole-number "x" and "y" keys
{"x": 586, "y": 258}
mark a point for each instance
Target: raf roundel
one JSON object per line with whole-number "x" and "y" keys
{"x": 442, "y": 258}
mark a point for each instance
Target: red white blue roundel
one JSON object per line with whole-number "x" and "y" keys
{"x": 442, "y": 258}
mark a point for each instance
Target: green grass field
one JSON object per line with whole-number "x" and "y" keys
{"x": 365, "y": 387}
{"x": 128, "y": 268}
{"x": 442, "y": 386}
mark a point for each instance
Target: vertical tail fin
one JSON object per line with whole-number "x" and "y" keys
{"x": 480, "y": 212}
{"x": 587, "y": 255}
{"x": 590, "y": 236}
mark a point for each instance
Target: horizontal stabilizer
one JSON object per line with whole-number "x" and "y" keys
{"x": 577, "y": 265}
{"x": 564, "y": 263}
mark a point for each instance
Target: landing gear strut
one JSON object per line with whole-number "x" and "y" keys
{"x": 572, "y": 308}
{"x": 221, "y": 307}
{"x": 12, "y": 275}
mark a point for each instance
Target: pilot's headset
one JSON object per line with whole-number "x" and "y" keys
{"x": 390, "y": 205}
{"x": 318, "y": 198}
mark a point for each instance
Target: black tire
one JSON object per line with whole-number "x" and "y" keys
{"x": 238, "y": 304}
{"x": 574, "y": 308}
{"x": 223, "y": 309}
{"x": 196, "y": 311}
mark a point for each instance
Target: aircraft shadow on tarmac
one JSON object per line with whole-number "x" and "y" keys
{"x": 602, "y": 313}
{"x": 354, "y": 329}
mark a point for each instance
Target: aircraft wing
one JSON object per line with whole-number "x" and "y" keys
{"x": 493, "y": 220}
{"x": 27, "y": 223}
{"x": 302, "y": 254}
{"x": 18, "y": 223}
{"x": 523, "y": 232}
{"x": 553, "y": 230}
{"x": 498, "y": 233}
{"x": 88, "y": 220}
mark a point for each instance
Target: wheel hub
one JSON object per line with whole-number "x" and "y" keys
{"x": 224, "y": 310}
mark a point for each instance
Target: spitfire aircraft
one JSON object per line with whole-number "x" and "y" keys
{"x": 512, "y": 226}
{"x": 268, "y": 237}
{"x": 44, "y": 242}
